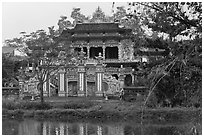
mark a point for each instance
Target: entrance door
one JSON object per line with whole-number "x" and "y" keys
{"x": 91, "y": 88}
{"x": 72, "y": 88}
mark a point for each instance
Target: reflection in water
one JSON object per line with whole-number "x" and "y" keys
{"x": 34, "y": 127}
{"x": 80, "y": 129}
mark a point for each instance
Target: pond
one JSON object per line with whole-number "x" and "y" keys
{"x": 37, "y": 127}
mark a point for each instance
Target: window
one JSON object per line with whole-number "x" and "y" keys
{"x": 111, "y": 53}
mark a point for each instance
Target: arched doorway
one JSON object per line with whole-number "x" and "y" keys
{"x": 72, "y": 88}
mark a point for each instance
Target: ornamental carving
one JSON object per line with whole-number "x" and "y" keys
{"x": 126, "y": 50}
{"x": 80, "y": 42}
{"x": 112, "y": 70}
{"x": 72, "y": 77}
{"x": 96, "y": 42}
{"x": 71, "y": 71}
{"x": 63, "y": 23}
{"x": 91, "y": 71}
{"x": 98, "y": 16}
{"x": 111, "y": 41}
{"x": 95, "y": 34}
{"x": 90, "y": 78}
{"x": 112, "y": 34}
{"x": 114, "y": 85}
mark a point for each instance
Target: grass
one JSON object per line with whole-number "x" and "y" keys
{"x": 26, "y": 105}
{"x": 98, "y": 109}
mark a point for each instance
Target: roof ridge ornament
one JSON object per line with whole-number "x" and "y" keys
{"x": 98, "y": 16}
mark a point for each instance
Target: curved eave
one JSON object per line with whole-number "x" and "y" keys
{"x": 97, "y": 30}
{"x": 98, "y": 37}
{"x": 152, "y": 53}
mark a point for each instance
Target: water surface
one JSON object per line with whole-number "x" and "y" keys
{"x": 36, "y": 127}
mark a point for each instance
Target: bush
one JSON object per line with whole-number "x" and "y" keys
{"x": 11, "y": 105}
{"x": 83, "y": 104}
{"x": 152, "y": 101}
{"x": 35, "y": 105}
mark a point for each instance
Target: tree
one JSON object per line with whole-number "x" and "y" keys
{"x": 175, "y": 20}
{"x": 42, "y": 51}
{"x": 48, "y": 56}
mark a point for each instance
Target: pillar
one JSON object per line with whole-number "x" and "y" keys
{"x": 131, "y": 52}
{"x": 81, "y": 81}
{"x": 67, "y": 85}
{"x": 119, "y": 51}
{"x": 21, "y": 83}
{"x": 62, "y": 83}
{"x": 99, "y": 80}
{"x": 133, "y": 79}
{"x": 46, "y": 87}
{"x": 88, "y": 52}
{"x": 121, "y": 77}
{"x": 104, "y": 52}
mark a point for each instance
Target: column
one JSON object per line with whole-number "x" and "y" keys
{"x": 81, "y": 81}
{"x": 62, "y": 83}
{"x": 121, "y": 77}
{"x": 104, "y": 52}
{"x": 46, "y": 87}
{"x": 99, "y": 80}
{"x": 67, "y": 85}
{"x": 119, "y": 53}
{"x": 88, "y": 52}
{"x": 21, "y": 83}
{"x": 131, "y": 52}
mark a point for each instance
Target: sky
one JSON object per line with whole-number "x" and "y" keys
{"x": 32, "y": 16}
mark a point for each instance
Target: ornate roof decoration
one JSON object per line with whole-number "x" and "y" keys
{"x": 88, "y": 27}
{"x": 98, "y": 16}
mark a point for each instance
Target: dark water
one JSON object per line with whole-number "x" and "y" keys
{"x": 35, "y": 127}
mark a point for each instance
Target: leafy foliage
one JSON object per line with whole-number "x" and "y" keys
{"x": 184, "y": 20}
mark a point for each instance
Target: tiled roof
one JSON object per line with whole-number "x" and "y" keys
{"x": 90, "y": 27}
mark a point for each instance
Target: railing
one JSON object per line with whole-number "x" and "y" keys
{"x": 111, "y": 60}
{"x": 91, "y": 61}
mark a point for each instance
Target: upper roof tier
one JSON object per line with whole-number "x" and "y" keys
{"x": 95, "y": 31}
{"x": 96, "y": 27}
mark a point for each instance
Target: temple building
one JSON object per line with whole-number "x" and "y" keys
{"x": 106, "y": 60}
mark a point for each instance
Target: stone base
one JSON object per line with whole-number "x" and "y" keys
{"x": 99, "y": 94}
{"x": 81, "y": 94}
{"x": 61, "y": 94}
{"x": 45, "y": 94}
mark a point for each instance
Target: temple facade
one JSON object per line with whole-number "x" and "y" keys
{"x": 105, "y": 61}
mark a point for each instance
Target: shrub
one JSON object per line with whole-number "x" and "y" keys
{"x": 152, "y": 101}
{"x": 35, "y": 105}
{"x": 11, "y": 105}
{"x": 83, "y": 104}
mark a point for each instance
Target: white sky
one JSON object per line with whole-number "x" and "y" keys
{"x": 32, "y": 16}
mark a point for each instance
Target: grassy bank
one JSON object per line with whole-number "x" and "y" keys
{"x": 99, "y": 110}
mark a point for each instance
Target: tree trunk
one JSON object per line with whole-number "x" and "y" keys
{"x": 41, "y": 92}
